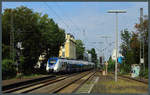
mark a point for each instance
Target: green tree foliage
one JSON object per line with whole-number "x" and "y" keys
{"x": 142, "y": 28}
{"x": 111, "y": 66}
{"x": 135, "y": 49}
{"x": 130, "y": 47}
{"x": 94, "y": 55}
{"x": 79, "y": 49}
{"x": 5, "y": 51}
{"x": 125, "y": 45}
{"x": 37, "y": 34}
{"x": 52, "y": 36}
{"x": 8, "y": 69}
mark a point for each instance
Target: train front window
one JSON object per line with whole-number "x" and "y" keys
{"x": 52, "y": 61}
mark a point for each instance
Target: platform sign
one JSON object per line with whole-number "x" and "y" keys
{"x": 142, "y": 60}
{"x": 120, "y": 60}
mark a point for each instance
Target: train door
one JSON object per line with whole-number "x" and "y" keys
{"x": 63, "y": 65}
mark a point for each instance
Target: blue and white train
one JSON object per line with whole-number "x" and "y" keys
{"x": 65, "y": 65}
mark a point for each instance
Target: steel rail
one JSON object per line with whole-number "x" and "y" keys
{"x": 73, "y": 82}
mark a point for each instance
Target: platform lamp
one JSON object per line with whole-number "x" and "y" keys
{"x": 116, "y": 12}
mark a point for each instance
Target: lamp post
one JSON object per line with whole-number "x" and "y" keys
{"x": 116, "y": 12}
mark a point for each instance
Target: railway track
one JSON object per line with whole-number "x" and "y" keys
{"x": 74, "y": 85}
{"x": 130, "y": 78}
{"x": 51, "y": 85}
{"x": 23, "y": 84}
{"x": 138, "y": 80}
{"x": 32, "y": 83}
{"x": 60, "y": 85}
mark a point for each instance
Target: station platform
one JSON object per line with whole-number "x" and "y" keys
{"x": 106, "y": 84}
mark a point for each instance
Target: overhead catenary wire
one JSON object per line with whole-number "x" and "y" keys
{"x": 50, "y": 8}
{"x": 64, "y": 16}
{"x": 68, "y": 18}
{"x": 108, "y": 46}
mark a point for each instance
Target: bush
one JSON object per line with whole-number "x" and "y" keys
{"x": 5, "y": 51}
{"x": 8, "y": 69}
{"x": 144, "y": 73}
{"x": 21, "y": 63}
{"x": 111, "y": 66}
{"x": 124, "y": 68}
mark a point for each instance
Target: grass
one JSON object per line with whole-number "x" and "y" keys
{"x": 129, "y": 74}
{"x": 106, "y": 85}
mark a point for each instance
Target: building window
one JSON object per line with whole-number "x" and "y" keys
{"x": 63, "y": 46}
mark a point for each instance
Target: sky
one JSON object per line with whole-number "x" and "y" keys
{"x": 89, "y": 21}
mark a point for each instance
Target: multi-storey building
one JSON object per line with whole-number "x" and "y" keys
{"x": 69, "y": 48}
{"x": 41, "y": 58}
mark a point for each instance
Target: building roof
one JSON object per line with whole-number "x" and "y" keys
{"x": 71, "y": 35}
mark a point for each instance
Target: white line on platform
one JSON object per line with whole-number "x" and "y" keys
{"x": 96, "y": 80}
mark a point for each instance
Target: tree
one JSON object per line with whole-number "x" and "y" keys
{"x": 37, "y": 34}
{"x": 94, "y": 55}
{"x": 126, "y": 51}
{"x": 142, "y": 28}
{"x": 25, "y": 28}
{"x": 125, "y": 45}
{"x": 111, "y": 66}
{"x": 130, "y": 47}
{"x": 52, "y": 36}
{"x": 79, "y": 49}
{"x": 8, "y": 69}
{"x": 135, "y": 47}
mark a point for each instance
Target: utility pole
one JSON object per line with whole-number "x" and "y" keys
{"x": 12, "y": 46}
{"x": 12, "y": 38}
{"x": 84, "y": 36}
{"x": 106, "y": 39}
{"x": 141, "y": 40}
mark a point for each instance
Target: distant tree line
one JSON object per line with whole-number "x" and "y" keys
{"x": 80, "y": 50}
{"x": 94, "y": 55}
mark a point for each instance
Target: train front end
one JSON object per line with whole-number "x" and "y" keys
{"x": 51, "y": 64}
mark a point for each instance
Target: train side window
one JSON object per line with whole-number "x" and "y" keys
{"x": 65, "y": 63}
{"x": 62, "y": 64}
